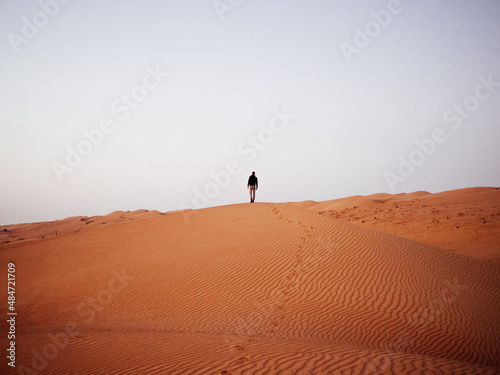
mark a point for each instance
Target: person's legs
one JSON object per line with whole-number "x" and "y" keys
{"x": 252, "y": 193}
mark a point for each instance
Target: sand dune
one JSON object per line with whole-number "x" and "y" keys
{"x": 251, "y": 289}
{"x": 466, "y": 221}
{"x": 70, "y": 225}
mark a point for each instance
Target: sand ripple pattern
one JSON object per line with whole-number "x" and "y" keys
{"x": 256, "y": 289}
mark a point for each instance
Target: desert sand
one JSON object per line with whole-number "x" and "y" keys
{"x": 466, "y": 221}
{"x": 262, "y": 288}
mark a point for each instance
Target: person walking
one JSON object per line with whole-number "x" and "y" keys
{"x": 253, "y": 184}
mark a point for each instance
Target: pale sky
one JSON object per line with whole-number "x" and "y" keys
{"x": 128, "y": 104}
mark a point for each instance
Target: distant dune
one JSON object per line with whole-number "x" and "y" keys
{"x": 70, "y": 225}
{"x": 466, "y": 221}
{"x": 263, "y": 288}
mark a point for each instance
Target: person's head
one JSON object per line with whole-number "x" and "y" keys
{"x": 253, "y": 173}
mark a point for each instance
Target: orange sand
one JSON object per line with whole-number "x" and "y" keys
{"x": 70, "y": 225}
{"x": 466, "y": 221}
{"x": 253, "y": 289}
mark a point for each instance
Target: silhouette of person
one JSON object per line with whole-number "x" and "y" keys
{"x": 253, "y": 184}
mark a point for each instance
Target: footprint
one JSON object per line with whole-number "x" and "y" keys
{"x": 240, "y": 348}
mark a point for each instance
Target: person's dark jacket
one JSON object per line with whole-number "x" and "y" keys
{"x": 252, "y": 181}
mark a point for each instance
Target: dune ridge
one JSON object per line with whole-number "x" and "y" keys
{"x": 466, "y": 221}
{"x": 257, "y": 288}
{"x": 29, "y": 231}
